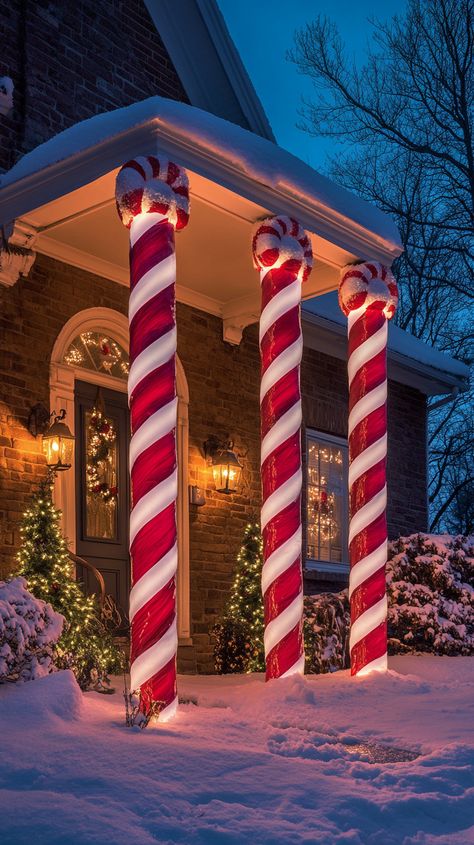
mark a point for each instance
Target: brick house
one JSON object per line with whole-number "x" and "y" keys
{"x": 64, "y": 287}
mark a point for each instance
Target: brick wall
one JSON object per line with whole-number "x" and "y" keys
{"x": 223, "y": 386}
{"x": 69, "y": 61}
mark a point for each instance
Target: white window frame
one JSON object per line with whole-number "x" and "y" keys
{"x": 328, "y": 566}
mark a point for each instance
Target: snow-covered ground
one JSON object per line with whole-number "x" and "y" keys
{"x": 285, "y": 762}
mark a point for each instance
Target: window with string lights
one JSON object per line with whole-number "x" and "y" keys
{"x": 326, "y": 502}
{"x": 98, "y": 352}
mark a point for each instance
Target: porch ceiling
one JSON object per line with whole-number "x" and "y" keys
{"x": 214, "y": 262}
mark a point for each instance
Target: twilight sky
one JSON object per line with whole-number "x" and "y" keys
{"x": 263, "y": 30}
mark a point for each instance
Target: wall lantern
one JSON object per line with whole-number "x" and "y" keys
{"x": 226, "y": 467}
{"x": 58, "y": 442}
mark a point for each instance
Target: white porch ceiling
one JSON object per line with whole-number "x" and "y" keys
{"x": 214, "y": 262}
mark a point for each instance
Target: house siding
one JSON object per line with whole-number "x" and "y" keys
{"x": 223, "y": 386}
{"x": 69, "y": 61}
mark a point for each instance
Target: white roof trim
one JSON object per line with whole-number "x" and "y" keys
{"x": 208, "y": 63}
{"x": 410, "y": 360}
{"x": 216, "y": 149}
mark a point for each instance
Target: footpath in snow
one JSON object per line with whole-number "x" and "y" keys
{"x": 297, "y": 761}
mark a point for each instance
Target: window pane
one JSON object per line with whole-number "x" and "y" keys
{"x": 101, "y": 514}
{"x": 325, "y": 501}
{"x": 98, "y": 352}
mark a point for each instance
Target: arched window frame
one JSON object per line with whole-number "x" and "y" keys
{"x": 61, "y": 386}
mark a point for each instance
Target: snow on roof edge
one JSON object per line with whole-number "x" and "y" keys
{"x": 257, "y": 157}
{"x": 399, "y": 341}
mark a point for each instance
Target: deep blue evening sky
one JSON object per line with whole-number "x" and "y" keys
{"x": 263, "y": 30}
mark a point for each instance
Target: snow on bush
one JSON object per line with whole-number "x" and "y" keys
{"x": 430, "y": 589}
{"x": 29, "y": 631}
{"x": 430, "y": 583}
{"x": 326, "y": 632}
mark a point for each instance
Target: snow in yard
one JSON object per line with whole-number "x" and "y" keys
{"x": 299, "y": 760}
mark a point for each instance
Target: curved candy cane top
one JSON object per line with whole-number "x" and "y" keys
{"x": 371, "y": 285}
{"x": 280, "y": 242}
{"x": 149, "y": 184}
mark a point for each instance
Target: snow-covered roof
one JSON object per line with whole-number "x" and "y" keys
{"x": 410, "y": 360}
{"x": 252, "y": 166}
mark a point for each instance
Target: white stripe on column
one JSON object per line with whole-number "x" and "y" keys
{"x": 153, "y": 581}
{"x": 154, "y": 356}
{"x": 151, "y": 284}
{"x": 280, "y": 304}
{"x": 283, "y": 557}
{"x": 154, "y": 428}
{"x": 154, "y": 658}
{"x": 368, "y": 513}
{"x": 288, "y": 360}
{"x": 152, "y": 503}
{"x": 283, "y": 624}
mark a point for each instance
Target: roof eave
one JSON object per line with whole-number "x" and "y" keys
{"x": 331, "y": 338}
{"x": 66, "y": 175}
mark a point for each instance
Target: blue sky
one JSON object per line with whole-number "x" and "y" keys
{"x": 263, "y": 31}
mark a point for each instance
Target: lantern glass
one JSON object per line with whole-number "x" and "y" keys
{"x": 58, "y": 446}
{"x": 226, "y": 471}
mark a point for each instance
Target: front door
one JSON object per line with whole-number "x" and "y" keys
{"x": 102, "y": 490}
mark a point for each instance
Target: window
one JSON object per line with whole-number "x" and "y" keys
{"x": 98, "y": 352}
{"x": 326, "y": 502}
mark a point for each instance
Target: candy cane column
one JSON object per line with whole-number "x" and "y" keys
{"x": 282, "y": 251}
{"x": 368, "y": 295}
{"x": 152, "y": 201}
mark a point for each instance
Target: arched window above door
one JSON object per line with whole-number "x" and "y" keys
{"x": 98, "y": 352}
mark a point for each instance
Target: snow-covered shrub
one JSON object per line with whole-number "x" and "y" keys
{"x": 29, "y": 631}
{"x": 326, "y": 632}
{"x": 430, "y": 582}
{"x": 430, "y": 589}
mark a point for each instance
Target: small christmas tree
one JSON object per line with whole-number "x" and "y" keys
{"x": 85, "y": 646}
{"x": 239, "y": 633}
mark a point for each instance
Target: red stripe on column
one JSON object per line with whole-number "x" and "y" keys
{"x": 370, "y": 429}
{"x": 371, "y": 647}
{"x": 156, "y": 244}
{"x": 281, "y": 465}
{"x": 153, "y": 392}
{"x": 282, "y": 334}
{"x": 281, "y": 528}
{"x": 285, "y": 653}
{"x": 369, "y": 539}
{"x": 153, "y": 465}
{"x": 154, "y": 619}
{"x": 161, "y": 687}
{"x": 283, "y": 590}
{"x": 368, "y": 377}
{"x": 367, "y": 594}
{"x": 279, "y": 399}
{"x": 153, "y": 541}
{"x": 368, "y": 485}
{"x": 154, "y": 319}
{"x": 274, "y": 282}
{"x": 370, "y": 322}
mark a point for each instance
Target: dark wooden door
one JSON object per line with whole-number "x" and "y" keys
{"x": 102, "y": 529}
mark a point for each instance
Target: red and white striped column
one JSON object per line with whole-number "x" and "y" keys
{"x": 368, "y": 296}
{"x": 152, "y": 201}
{"x": 282, "y": 252}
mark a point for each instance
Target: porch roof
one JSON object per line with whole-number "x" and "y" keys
{"x": 251, "y": 166}
{"x": 410, "y": 360}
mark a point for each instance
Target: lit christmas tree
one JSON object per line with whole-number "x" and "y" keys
{"x": 85, "y": 646}
{"x": 239, "y": 633}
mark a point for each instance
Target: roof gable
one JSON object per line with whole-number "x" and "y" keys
{"x": 208, "y": 63}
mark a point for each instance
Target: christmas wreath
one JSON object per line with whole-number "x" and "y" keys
{"x": 101, "y": 437}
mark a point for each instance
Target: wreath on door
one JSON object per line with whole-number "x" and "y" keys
{"x": 101, "y": 437}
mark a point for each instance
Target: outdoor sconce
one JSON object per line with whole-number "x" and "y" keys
{"x": 226, "y": 467}
{"x": 58, "y": 442}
